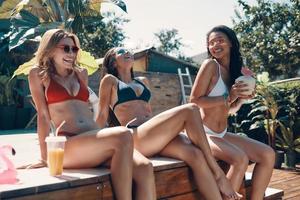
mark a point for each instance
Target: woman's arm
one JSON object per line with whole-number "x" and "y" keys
{"x": 43, "y": 118}
{"x": 201, "y": 86}
{"x": 236, "y": 105}
{"x": 105, "y": 92}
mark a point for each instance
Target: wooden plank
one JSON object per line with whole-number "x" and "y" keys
{"x": 187, "y": 196}
{"x": 273, "y": 194}
{"x": 87, "y": 192}
{"x": 174, "y": 182}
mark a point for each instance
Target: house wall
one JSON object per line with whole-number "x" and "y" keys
{"x": 165, "y": 89}
{"x": 140, "y": 64}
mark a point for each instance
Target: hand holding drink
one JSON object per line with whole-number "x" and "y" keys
{"x": 55, "y": 149}
{"x": 248, "y": 79}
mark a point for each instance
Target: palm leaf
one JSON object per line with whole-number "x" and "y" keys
{"x": 56, "y": 11}
{"x": 96, "y": 4}
{"x": 297, "y": 142}
{"x": 87, "y": 61}
{"x": 258, "y": 109}
{"x": 7, "y": 7}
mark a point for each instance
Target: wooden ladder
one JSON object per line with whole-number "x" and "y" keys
{"x": 185, "y": 84}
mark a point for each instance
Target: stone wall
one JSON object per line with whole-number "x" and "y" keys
{"x": 165, "y": 89}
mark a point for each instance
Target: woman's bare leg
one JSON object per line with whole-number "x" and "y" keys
{"x": 234, "y": 156}
{"x": 263, "y": 156}
{"x": 95, "y": 147}
{"x": 182, "y": 149}
{"x": 143, "y": 176}
{"x": 152, "y": 136}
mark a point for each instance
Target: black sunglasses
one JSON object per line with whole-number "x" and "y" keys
{"x": 68, "y": 49}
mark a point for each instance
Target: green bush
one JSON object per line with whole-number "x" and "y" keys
{"x": 273, "y": 104}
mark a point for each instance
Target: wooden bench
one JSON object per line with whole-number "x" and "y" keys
{"x": 173, "y": 178}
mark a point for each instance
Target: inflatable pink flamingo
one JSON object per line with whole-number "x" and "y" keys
{"x": 8, "y": 172}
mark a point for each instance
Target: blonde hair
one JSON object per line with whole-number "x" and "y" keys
{"x": 44, "y": 54}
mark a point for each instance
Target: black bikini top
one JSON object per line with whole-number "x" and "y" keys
{"x": 126, "y": 93}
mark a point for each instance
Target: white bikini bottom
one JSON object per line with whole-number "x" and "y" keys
{"x": 214, "y": 134}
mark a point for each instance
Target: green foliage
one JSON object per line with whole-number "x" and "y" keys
{"x": 100, "y": 36}
{"x": 269, "y": 36}
{"x": 171, "y": 43}
{"x": 6, "y": 95}
{"x": 28, "y": 20}
{"x": 287, "y": 140}
{"x": 169, "y": 40}
{"x": 273, "y": 105}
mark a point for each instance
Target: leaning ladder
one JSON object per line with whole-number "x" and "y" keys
{"x": 185, "y": 84}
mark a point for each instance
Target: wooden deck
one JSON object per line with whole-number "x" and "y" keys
{"x": 286, "y": 180}
{"x": 173, "y": 179}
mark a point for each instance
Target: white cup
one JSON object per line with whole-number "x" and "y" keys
{"x": 250, "y": 81}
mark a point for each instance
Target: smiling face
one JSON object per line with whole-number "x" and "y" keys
{"x": 218, "y": 45}
{"x": 64, "y": 54}
{"x": 124, "y": 58}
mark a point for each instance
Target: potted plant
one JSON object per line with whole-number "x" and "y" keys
{"x": 289, "y": 143}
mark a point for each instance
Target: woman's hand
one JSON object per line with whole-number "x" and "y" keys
{"x": 37, "y": 164}
{"x": 237, "y": 90}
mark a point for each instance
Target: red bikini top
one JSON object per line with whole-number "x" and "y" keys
{"x": 57, "y": 93}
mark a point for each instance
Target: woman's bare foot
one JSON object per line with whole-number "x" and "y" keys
{"x": 227, "y": 190}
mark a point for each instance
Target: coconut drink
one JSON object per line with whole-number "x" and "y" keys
{"x": 248, "y": 79}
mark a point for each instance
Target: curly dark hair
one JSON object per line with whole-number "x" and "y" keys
{"x": 236, "y": 60}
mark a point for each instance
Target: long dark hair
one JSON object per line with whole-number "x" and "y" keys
{"x": 109, "y": 65}
{"x": 236, "y": 60}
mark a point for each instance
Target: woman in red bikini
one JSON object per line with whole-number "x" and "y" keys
{"x": 129, "y": 97}
{"x": 59, "y": 90}
{"x": 217, "y": 95}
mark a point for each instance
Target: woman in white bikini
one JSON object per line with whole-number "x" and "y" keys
{"x": 217, "y": 95}
{"x": 129, "y": 97}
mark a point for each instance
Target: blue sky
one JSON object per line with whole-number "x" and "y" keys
{"x": 192, "y": 18}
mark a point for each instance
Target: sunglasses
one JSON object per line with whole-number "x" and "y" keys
{"x": 121, "y": 52}
{"x": 68, "y": 49}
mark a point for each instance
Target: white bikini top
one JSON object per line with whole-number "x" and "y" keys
{"x": 220, "y": 88}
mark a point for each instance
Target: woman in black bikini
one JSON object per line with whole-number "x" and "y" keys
{"x": 160, "y": 134}
{"x": 59, "y": 91}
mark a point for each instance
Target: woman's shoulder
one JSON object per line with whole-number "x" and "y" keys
{"x": 34, "y": 72}
{"x": 209, "y": 65}
{"x": 143, "y": 79}
{"x": 109, "y": 79}
{"x": 209, "y": 62}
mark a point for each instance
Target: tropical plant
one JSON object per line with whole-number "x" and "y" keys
{"x": 6, "y": 89}
{"x": 32, "y": 18}
{"x": 286, "y": 140}
{"x": 263, "y": 109}
{"x": 25, "y": 21}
